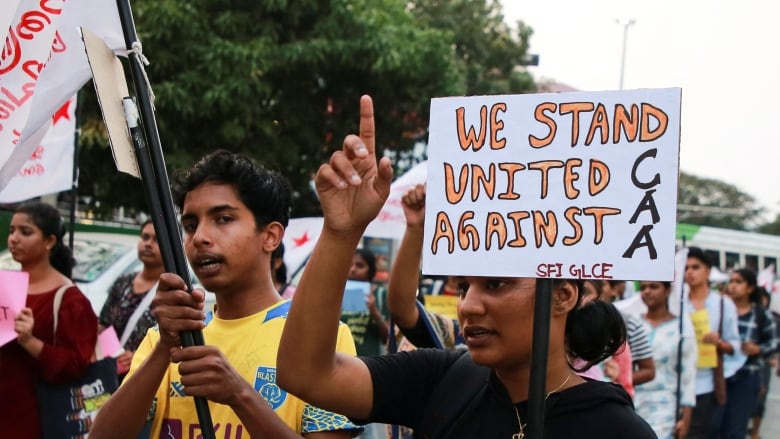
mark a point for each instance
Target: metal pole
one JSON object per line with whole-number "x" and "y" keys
{"x": 539, "y": 350}
{"x": 678, "y": 393}
{"x": 625, "y": 23}
{"x": 74, "y": 185}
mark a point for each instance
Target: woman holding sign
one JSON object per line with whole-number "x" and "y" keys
{"x": 442, "y": 393}
{"x": 35, "y": 241}
{"x": 128, "y": 305}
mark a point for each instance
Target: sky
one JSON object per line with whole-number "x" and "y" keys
{"x": 723, "y": 54}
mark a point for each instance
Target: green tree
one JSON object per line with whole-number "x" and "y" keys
{"x": 485, "y": 49}
{"x": 711, "y": 202}
{"x": 485, "y": 46}
{"x": 772, "y": 227}
{"x": 280, "y": 80}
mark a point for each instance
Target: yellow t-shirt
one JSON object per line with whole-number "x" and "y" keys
{"x": 250, "y": 345}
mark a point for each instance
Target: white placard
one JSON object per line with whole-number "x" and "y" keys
{"x": 566, "y": 185}
{"x": 111, "y": 88}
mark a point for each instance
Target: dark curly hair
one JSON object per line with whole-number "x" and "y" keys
{"x": 594, "y": 331}
{"x": 266, "y": 193}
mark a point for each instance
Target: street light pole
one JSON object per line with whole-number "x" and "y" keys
{"x": 625, "y": 22}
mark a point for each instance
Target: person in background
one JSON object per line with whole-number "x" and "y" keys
{"x": 35, "y": 241}
{"x": 127, "y": 307}
{"x": 656, "y": 400}
{"x": 614, "y": 290}
{"x": 496, "y": 314}
{"x": 708, "y": 303}
{"x": 233, "y": 213}
{"x": 451, "y": 286}
{"x": 638, "y": 340}
{"x": 279, "y": 273}
{"x": 757, "y": 331}
{"x": 766, "y": 369}
{"x": 405, "y": 310}
{"x": 618, "y": 367}
{"x": 370, "y": 329}
{"x": 417, "y": 326}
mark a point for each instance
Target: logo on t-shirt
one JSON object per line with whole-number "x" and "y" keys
{"x": 265, "y": 384}
{"x": 171, "y": 429}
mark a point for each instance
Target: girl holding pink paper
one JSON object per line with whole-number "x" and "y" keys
{"x": 35, "y": 241}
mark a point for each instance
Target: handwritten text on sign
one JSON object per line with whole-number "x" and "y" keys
{"x": 13, "y": 294}
{"x": 562, "y": 185}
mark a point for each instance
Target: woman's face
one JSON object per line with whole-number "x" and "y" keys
{"x": 496, "y": 316}
{"x": 26, "y": 241}
{"x": 148, "y": 249}
{"x": 654, "y": 294}
{"x": 359, "y": 269}
{"x": 738, "y": 288}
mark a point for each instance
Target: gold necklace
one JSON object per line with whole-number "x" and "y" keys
{"x": 521, "y": 434}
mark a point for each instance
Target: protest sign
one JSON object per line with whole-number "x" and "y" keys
{"x": 109, "y": 344}
{"x": 444, "y": 305}
{"x": 355, "y": 293}
{"x": 13, "y": 295}
{"x": 567, "y": 185}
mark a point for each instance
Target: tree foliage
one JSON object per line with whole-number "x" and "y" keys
{"x": 772, "y": 227}
{"x": 280, "y": 80}
{"x": 485, "y": 47}
{"x": 711, "y": 202}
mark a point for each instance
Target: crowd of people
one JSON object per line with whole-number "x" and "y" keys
{"x": 276, "y": 366}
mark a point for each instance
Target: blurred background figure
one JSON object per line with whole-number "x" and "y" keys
{"x": 757, "y": 333}
{"x": 656, "y": 400}
{"x": 35, "y": 241}
{"x": 369, "y": 329}
{"x": 279, "y": 273}
{"x": 127, "y": 307}
{"x": 613, "y": 290}
{"x": 770, "y": 364}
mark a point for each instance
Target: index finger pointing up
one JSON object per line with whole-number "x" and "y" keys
{"x": 367, "y": 133}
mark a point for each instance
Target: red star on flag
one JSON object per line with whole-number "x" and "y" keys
{"x": 62, "y": 113}
{"x": 302, "y": 240}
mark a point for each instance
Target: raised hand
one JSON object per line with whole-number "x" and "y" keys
{"x": 413, "y": 203}
{"x": 352, "y": 187}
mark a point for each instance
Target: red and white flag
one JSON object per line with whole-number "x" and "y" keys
{"x": 42, "y": 65}
{"x": 50, "y": 167}
{"x": 7, "y": 12}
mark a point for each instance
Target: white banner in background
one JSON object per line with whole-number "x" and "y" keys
{"x": 391, "y": 222}
{"x": 41, "y": 84}
{"x": 7, "y": 11}
{"x": 29, "y": 44}
{"x": 50, "y": 167}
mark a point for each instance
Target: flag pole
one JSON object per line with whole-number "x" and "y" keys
{"x": 156, "y": 185}
{"x": 540, "y": 345}
{"x": 74, "y": 186}
{"x": 678, "y": 393}
{"x": 146, "y": 170}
